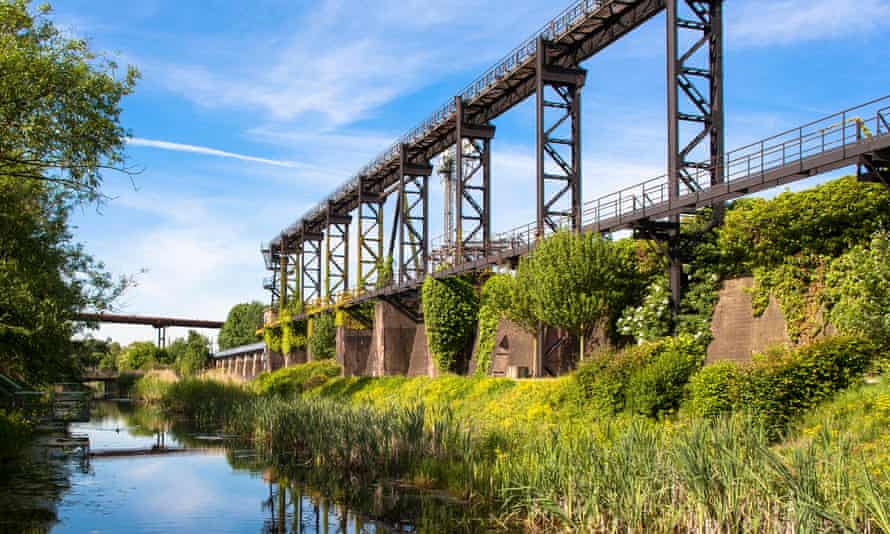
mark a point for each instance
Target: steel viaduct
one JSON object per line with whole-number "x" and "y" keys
{"x": 311, "y": 258}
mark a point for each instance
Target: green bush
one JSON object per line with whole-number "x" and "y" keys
{"x": 780, "y": 388}
{"x": 323, "y": 337}
{"x": 297, "y": 379}
{"x": 601, "y": 380}
{"x": 450, "y": 309}
{"x": 140, "y": 355}
{"x": 658, "y": 385}
{"x": 713, "y": 390}
{"x": 14, "y": 434}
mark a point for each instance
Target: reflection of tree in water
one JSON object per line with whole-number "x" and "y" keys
{"x": 308, "y": 501}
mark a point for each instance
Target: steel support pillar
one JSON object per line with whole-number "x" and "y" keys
{"x": 282, "y": 272}
{"x": 695, "y": 107}
{"x": 310, "y": 252}
{"x": 473, "y": 180}
{"x": 558, "y": 143}
{"x": 336, "y": 278}
{"x": 370, "y": 237}
{"x": 413, "y": 222}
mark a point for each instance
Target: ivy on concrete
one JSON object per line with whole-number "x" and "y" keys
{"x": 450, "y": 309}
{"x": 495, "y": 304}
{"x": 323, "y": 336}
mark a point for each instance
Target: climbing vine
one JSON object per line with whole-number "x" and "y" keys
{"x": 323, "y": 336}
{"x": 450, "y": 309}
{"x": 495, "y": 304}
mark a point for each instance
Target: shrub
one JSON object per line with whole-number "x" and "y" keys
{"x": 14, "y": 433}
{"x": 139, "y": 355}
{"x": 651, "y": 319}
{"x": 781, "y": 388}
{"x": 658, "y": 385}
{"x": 323, "y": 337}
{"x": 602, "y": 379}
{"x": 297, "y": 379}
{"x": 713, "y": 390}
{"x": 450, "y": 308}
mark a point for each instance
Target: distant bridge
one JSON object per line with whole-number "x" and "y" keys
{"x": 159, "y": 323}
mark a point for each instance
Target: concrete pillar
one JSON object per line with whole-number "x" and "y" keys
{"x": 398, "y": 345}
{"x": 353, "y": 348}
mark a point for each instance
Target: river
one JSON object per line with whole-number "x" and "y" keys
{"x": 147, "y": 474}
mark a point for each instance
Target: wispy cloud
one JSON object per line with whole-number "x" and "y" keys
{"x": 770, "y": 22}
{"x": 195, "y": 149}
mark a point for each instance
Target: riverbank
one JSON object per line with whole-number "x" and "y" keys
{"x": 579, "y": 454}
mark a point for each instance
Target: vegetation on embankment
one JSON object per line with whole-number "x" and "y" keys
{"x": 619, "y": 445}
{"x": 15, "y": 432}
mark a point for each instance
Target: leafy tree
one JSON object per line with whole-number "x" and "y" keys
{"x": 139, "y": 355}
{"x": 59, "y": 130}
{"x": 194, "y": 354}
{"x": 576, "y": 281}
{"x": 60, "y": 111}
{"x": 241, "y": 325}
{"x": 322, "y": 339}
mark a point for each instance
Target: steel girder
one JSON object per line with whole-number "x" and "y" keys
{"x": 370, "y": 237}
{"x": 558, "y": 155}
{"x": 336, "y": 278}
{"x": 310, "y": 267}
{"x": 412, "y": 207}
{"x": 473, "y": 180}
{"x": 695, "y": 105}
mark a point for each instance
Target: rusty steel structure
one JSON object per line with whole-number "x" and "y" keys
{"x": 159, "y": 323}
{"x": 392, "y": 265}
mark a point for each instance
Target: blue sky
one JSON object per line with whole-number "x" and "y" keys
{"x": 249, "y": 113}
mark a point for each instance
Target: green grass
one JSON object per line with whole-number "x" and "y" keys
{"x": 295, "y": 380}
{"x": 546, "y": 461}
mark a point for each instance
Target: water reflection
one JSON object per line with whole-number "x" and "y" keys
{"x": 217, "y": 486}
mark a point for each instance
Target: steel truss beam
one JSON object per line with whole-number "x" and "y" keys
{"x": 412, "y": 207}
{"x": 336, "y": 278}
{"x": 370, "y": 237}
{"x": 310, "y": 269}
{"x": 695, "y": 105}
{"x": 875, "y": 167}
{"x": 558, "y": 155}
{"x": 473, "y": 180}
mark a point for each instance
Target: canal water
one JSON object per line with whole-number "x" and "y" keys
{"x": 149, "y": 475}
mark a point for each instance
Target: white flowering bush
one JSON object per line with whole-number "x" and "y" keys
{"x": 652, "y": 318}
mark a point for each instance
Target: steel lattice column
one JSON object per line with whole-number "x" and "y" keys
{"x": 473, "y": 179}
{"x": 695, "y": 105}
{"x": 370, "y": 237}
{"x": 336, "y": 278}
{"x": 283, "y": 272}
{"x": 413, "y": 222}
{"x": 311, "y": 267}
{"x": 558, "y": 142}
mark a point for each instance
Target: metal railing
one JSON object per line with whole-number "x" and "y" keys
{"x": 560, "y": 25}
{"x": 834, "y": 132}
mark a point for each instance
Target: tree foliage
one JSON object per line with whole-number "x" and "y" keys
{"x": 140, "y": 355}
{"x": 60, "y": 109}
{"x": 450, "y": 308}
{"x": 189, "y": 355}
{"x": 575, "y": 281}
{"x": 59, "y": 130}
{"x": 241, "y": 325}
